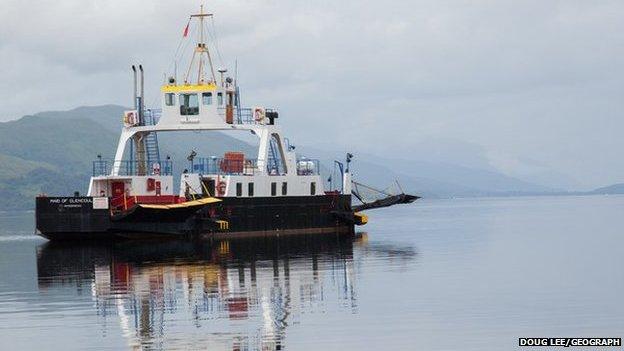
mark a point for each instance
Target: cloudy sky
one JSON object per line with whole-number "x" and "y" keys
{"x": 532, "y": 88}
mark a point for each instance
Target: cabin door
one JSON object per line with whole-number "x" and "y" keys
{"x": 158, "y": 191}
{"x": 229, "y": 108}
{"x": 209, "y": 185}
{"x": 118, "y": 188}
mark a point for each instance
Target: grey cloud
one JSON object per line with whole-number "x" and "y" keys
{"x": 530, "y": 80}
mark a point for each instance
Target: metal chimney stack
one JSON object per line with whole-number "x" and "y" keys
{"x": 142, "y": 98}
{"x": 135, "y": 87}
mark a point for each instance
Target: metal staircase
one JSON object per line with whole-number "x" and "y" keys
{"x": 151, "y": 139}
{"x": 273, "y": 164}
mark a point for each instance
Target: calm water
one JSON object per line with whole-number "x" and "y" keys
{"x": 468, "y": 274}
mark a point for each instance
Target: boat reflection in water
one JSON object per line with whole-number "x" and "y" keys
{"x": 231, "y": 295}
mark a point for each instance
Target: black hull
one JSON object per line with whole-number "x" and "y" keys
{"x": 64, "y": 218}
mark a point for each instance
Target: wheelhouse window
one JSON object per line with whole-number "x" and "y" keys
{"x": 250, "y": 189}
{"x": 284, "y": 188}
{"x": 239, "y": 189}
{"x": 170, "y": 99}
{"x": 273, "y": 189}
{"x": 220, "y": 99}
{"x": 207, "y": 98}
{"x": 189, "y": 104}
{"x": 313, "y": 188}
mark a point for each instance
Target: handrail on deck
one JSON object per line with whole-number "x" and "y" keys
{"x": 244, "y": 115}
{"x": 132, "y": 168}
{"x": 223, "y": 166}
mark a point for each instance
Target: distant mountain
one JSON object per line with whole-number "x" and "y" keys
{"x": 47, "y": 155}
{"x": 51, "y": 152}
{"x": 428, "y": 178}
{"x": 609, "y": 190}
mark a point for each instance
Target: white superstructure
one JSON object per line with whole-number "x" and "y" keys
{"x": 204, "y": 104}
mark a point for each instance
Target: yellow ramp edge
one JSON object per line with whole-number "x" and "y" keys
{"x": 199, "y": 202}
{"x": 360, "y": 218}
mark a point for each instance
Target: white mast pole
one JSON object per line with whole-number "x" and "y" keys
{"x": 200, "y": 77}
{"x": 201, "y": 49}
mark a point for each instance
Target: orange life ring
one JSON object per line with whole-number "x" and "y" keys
{"x": 156, "y": 168}
{"x": 221, "y": 189}
{"x": 259, "y": 114}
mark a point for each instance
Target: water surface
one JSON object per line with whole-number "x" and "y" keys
{"x": 470, "y": 274}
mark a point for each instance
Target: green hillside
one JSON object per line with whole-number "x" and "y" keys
{"x": 13, "y": 167}
{"x": 67, "y": 143}
{"x": 47, "y": 155}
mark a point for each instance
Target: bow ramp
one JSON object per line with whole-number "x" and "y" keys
{"x": 371, "y": 198}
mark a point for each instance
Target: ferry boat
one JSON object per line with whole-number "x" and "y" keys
{"x": 133, "y": 195}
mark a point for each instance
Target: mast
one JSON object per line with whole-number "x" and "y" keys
{"x": 201, "y": 49}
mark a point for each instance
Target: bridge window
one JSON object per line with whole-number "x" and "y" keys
{"x": 170, "y": 99}
{"x": 189, "y": 104}
{"x": 220, "y": 99}
{"x": 250, "y": 189}
{"x": 273, "y": 189}
{"x": 313, "y": 188}
{"x": 239, "y": 189}
{"x": 207, "y": 98}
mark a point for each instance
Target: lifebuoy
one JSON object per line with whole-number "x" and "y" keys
{"x": 156, "y": 168}
{"x": 130, "y": 118}
{"x": 221, "y": 189}
{"x": 259, "y": 114}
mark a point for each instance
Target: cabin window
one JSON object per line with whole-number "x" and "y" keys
{"x": 250, "y": 189}
{"x": 189, "y": 104}
{"x": 273, "y": 189}
{"x": 239, "y": 189}
{"x": 207, "y": 98}
{"x": 220, "y": 99}
{"x": 284, "y": 188}
{"x": 170, "y": 99}
{"x": 313, "y": 188}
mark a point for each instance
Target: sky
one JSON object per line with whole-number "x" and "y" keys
{"x": 529, "y": 88}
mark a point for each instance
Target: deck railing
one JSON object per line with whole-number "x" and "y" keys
{"x": 240, "y": 115}
{"x": 152, "y": 116}
{"x": 245, "y": 115}
{"x": 204, "y": 165}
{"x": 132, "y": 168}
{"x": 222, "y": 166}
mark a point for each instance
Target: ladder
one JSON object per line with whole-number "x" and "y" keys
{"x": 274, "y": 162}
{"x": 151, "y": 139}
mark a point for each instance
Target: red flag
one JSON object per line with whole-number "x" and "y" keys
{"x": 186, "y": 29}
